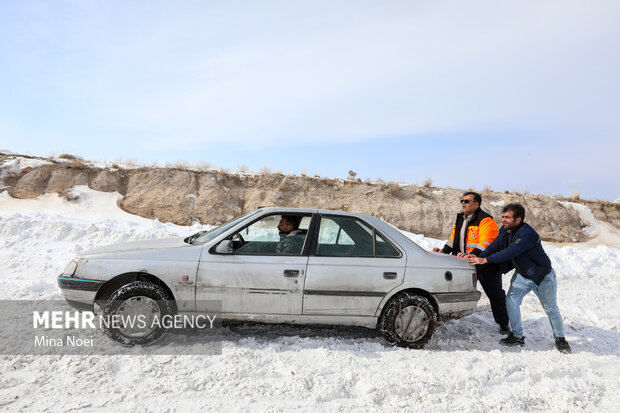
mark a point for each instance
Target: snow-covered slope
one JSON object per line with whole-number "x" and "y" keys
{"x": 281, "y": 368}
{"x": 599, "y": 233}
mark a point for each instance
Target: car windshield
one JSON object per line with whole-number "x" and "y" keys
{"x": 206, "y": 236}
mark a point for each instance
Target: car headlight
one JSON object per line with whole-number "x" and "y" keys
{"x": 70, "y": 270}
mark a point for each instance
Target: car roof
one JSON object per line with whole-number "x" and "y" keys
{"x": 313, "y": 211}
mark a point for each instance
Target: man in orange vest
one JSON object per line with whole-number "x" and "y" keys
{"x": 473, "y": 231}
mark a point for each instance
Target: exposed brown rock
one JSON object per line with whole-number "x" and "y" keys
{"x": 106, "y": 181}
{"x": 63, "y": 178}
{"x": 167, "y": 195}
{"x": 32, "y": 184}
{"x": 216, "y": 201}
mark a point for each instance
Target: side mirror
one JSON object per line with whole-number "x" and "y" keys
{"x": 224, "y": 247}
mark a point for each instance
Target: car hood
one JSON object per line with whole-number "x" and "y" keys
{"x": 153, "y": 244}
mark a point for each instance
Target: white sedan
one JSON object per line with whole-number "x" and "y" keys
{"x": 281, "y": 265}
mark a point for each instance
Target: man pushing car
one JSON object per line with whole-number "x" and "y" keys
{"x": 519, "y": 247}
{"x": 473, "y": 231}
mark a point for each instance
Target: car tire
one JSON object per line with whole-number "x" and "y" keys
{"x": 137, "y": 298}
{"x": 408, "y": 320}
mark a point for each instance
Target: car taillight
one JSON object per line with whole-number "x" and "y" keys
{"x": 474, "y": 278}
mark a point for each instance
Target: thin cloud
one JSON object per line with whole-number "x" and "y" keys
{"x": 384, "y": 76}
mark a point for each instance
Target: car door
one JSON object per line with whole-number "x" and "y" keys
{"x": 351, "y": 268}
{"x": 254, "y": 278}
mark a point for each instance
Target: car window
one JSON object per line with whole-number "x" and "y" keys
{"x": 344, "y": 236}
{"x": 385, "y": 249}
{"x": 332, "y": 234}
{"x": 351, "y": 237}
{"x": 263, "y": 237}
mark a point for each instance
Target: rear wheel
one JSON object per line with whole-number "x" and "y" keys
{"x": 138, "y": 309}
{"x": 408, "y": 320}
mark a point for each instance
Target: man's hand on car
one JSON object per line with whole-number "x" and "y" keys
{"x": 473, "y": 260}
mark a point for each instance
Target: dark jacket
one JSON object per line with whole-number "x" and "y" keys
{"x": 521, "y": 249}
{"x": 480, "y": 232}
{"x": 291, "y": 243}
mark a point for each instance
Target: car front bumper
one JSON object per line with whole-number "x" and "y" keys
{"x": 80, "y": 294}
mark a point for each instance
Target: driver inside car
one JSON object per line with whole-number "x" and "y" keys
{"x": 291, "y": 237}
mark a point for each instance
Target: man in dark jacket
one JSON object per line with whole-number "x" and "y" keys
{"x": 519, "y": 247}
{"x": 473, "y": 231}
{"x": 291, "y": 238}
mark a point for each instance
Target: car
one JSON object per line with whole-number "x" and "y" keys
{"x": 343, "y": 269}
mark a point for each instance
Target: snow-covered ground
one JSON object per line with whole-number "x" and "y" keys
{"x": 283, "y": 368}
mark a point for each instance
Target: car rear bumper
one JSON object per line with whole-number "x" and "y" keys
{"x": 456, "y": 305}
{"x": 80, "y": 294}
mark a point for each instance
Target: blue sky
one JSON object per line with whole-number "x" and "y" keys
{"x": 511, "y": 95}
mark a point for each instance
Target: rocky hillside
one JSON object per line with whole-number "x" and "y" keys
{"x": 210, "y": 196}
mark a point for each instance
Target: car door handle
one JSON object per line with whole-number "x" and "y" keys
{"x": 291, "y": 273}
{"x": 390, "y": 275}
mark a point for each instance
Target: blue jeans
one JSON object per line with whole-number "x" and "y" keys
{"x": 546, "y": 293}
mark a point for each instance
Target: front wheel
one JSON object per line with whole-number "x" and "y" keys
{"x": 135, "y": 312}
{"x": 408, "y": 320}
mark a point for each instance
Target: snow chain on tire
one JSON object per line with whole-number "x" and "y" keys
{"x": 137, "y": 290}
{"x": 395, "y": 307}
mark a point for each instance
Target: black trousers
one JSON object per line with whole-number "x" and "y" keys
{"x": 491, "y": 282}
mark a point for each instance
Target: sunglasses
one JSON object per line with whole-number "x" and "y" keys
{"x": 465, "y": 201}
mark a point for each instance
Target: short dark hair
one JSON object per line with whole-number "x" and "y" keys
{"x": 517, "y": 210}
{"x": 477, "y": 196}
{"x": 294, "y": 220}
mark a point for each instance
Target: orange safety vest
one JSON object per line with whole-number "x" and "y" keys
{"x": 480, "y": 233}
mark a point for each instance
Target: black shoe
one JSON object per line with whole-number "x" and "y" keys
{"x": 511, "y": 340}
{"x": 504, "y": 329}
{"x": 562, "y": 345}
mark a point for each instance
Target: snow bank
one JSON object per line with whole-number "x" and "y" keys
{"x": 281, "y": 368}
{"x": 17, "y": 163}
{"x": 38, "y": 237}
